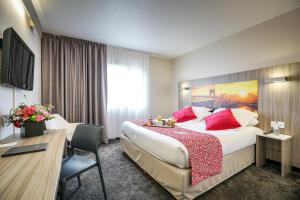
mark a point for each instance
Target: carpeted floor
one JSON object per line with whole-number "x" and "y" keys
{"x": 125, "y": 180}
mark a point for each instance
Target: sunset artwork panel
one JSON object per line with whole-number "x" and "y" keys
{"x": 227, "y": 95}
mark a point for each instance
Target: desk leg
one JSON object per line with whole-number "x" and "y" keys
{"x": 65, "y": 150}
{"x": 260, "y": 151}
{"x": 285, "y": 157}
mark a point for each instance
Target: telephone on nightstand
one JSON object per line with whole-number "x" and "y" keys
{"x": 275, "y": 128}
{"x": 268, "y": 132}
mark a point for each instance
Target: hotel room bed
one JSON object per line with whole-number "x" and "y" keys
{"x": 166, "y": 160}
{"x": 172, "y": 151}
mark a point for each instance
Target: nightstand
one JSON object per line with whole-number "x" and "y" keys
{"x": 285, "y": 143}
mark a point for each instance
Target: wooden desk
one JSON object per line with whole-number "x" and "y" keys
{"x": 33, "y": 176}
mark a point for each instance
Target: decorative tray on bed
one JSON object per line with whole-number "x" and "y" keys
{"x": 160, "y": 126}
{"x": 161, "y": 123}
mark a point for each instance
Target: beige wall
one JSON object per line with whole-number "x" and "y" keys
{"x": 12, "y": 14}
{"x": 274, "y": 42}
{"x": 160, "y": 72}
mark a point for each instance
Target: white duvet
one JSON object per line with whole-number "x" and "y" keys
{"x": 174, "y": 152}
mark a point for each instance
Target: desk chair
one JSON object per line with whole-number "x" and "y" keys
{"x": 86, "y": 137}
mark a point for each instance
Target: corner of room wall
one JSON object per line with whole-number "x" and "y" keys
{"x": 160, "y": 84}
{"x": 13, "y": 14}
{"x": 273, "y": 42}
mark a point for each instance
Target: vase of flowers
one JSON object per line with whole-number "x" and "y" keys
{"x": 30, "y": 118}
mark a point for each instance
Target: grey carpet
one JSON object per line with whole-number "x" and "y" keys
{"x": 125, "y": 180}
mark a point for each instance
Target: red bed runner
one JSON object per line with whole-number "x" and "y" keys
{"x": 205, "y": 150}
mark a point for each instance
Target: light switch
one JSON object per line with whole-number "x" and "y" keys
{"x": 281, "y": 125}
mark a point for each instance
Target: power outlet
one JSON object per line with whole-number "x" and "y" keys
{"x": 281, "y": 125}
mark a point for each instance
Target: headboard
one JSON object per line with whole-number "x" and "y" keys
{"x": 275, "y": 101}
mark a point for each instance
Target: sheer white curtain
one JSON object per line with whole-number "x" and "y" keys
{"x": 127, "y": 88}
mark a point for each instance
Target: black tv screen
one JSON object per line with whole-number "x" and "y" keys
{"x": 17, "y": 61}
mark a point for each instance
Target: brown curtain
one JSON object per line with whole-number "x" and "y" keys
{"x": 74, "y": 79}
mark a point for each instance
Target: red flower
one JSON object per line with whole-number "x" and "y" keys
{"x": 24, "y": 117}
{"x": 29, "y": 110}
{"x": 40, "y": 118}
{"x": 17, "y": 124}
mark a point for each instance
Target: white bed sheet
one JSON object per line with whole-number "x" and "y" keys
{"x": 174, "y": 152}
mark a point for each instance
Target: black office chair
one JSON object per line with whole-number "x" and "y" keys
{"x": 86, "y": 137}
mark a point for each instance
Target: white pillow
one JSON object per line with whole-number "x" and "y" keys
{"x": 201, "y": 112}
{"x": 253, "y": 122}
{"x": 244, "y": 117}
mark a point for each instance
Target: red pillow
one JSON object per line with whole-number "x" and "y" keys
{"x": 184, "y": 114}
{"x": 221, "y": 120}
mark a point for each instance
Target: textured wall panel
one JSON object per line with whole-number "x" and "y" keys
{"x": 276, "y": 101}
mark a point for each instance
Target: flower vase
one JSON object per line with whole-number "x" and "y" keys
{"x": 31, "y": 129}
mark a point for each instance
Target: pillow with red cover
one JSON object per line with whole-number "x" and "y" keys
{"x": 221, "y": 120}
{"x": 184, "y": 114}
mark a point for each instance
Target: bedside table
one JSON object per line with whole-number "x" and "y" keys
{"x": 285, "y": 143}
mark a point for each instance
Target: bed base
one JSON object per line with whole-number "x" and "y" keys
{"x": 178, "y": 181}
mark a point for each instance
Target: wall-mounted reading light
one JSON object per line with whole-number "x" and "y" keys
{"x": 184, "y": 89}
{"x": 276, "y": 79}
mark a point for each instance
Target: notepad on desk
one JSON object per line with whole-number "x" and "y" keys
{"x": 25, "y": 149}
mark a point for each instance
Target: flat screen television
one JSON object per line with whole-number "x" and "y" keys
{"x": 17, "y": 61}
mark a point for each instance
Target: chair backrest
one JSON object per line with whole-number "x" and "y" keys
{"x": 86, "y": 137}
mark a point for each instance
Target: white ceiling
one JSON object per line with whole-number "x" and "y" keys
{"x": 164, "y": 27}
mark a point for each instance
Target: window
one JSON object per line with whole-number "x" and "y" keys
{"x": 127, "y": 88}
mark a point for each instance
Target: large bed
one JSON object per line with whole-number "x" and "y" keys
{"x": 167, "y": 161}
{"x": 172, "y": 151}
